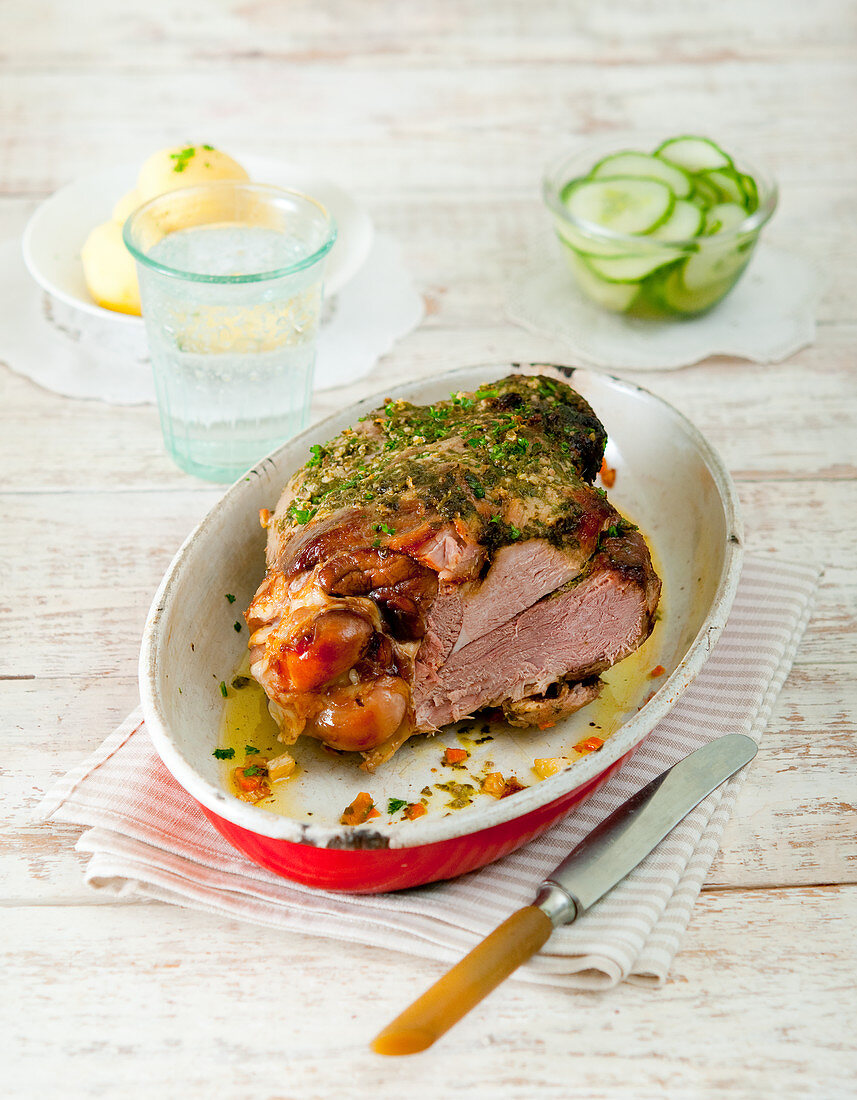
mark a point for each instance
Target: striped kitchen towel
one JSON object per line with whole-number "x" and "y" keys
{"x": 146, "y": 838}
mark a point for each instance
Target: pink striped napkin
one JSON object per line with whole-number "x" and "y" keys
{"x": 147, "y": 839}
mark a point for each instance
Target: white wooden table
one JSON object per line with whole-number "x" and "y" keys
{"x": 438, "y": 116}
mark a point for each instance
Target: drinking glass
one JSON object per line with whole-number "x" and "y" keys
{"x": 231, "y": 288}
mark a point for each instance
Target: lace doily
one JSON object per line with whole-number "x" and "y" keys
{"x": 77, "y": 355}
{"x": 768, "y": 316}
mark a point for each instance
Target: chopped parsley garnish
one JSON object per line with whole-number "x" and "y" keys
{"x": 182, "y": 158}
{"x": 223, "y": 754}
{"x": 475, "y": 487}
{"x": 254, "y": 769}
{"x": 230, "y": 597}
{"x": 223, "y": 690}
{"x": 317, "y": 455}
{"x": 396, "y": 804}
{"x": 251, "y": 750}
{"x": 385, "y": 528}
{"x": 612, "y": 531}
{"x": 209, "y": 148}
{"x": 236, "y": 626}
{"x": 300, "y": 515}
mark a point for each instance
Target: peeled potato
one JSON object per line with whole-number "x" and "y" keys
{"x": 185, "y": 166}
{"x": 108, "y": 266}
{"x": 126, "y": 206}
{"x": 109, "y": 270}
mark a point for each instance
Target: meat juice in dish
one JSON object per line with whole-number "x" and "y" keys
{"x": 250, "y": 740}
{"x": 434, "y": 562}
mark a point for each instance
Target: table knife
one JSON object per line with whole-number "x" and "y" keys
{"x": 601, "y": 860}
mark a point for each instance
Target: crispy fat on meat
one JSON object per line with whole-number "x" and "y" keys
{"x": 433, "y": 560}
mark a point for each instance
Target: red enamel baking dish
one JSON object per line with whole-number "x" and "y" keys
{"x": 670, "y": 482}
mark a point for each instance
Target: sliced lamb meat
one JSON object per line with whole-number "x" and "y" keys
{"x": 519, "y": 576}
{"x": 574, "y": 633}
{"x": 438, "y": 559}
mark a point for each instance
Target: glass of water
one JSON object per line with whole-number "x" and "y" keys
{"x": 231, "y": 288}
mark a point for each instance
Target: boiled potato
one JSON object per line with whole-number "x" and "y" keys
{"x": 108, "y": 268}
{"x": 126, "y": 206}
{"x": 185, "y": 166}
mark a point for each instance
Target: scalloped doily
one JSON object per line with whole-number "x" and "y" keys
{"x": 768, "y": 317}
{"x": 77, "y": 355}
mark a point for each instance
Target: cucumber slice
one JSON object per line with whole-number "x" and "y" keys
{"x": 643, "y": 166}
{"x": 716, "y": 263}
{"x": 704, "y": 193}
{"x": 582, "y": 242}
{"x": 629, "y": 269}
{"x": 693, "y": 154}
{"x": 728, "y": 183}
{"x": 626, "y": 206}
{"x": 722, "y": 217}
{"x": 750, "y": 189}
{"x": 678, "y": 298}
{"x": 613, "y": 296}
{"x": 685, "y": 222}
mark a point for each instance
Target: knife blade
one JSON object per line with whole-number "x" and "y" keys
{"x": 600, "y": 861}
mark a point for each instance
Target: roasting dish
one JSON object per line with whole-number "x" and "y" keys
{"x": 669, "y": 481}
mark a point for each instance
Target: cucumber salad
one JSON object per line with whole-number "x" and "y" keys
{"x": 660, "y": 234}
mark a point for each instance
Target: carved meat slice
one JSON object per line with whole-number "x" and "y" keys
{"x": 438, "y": 559}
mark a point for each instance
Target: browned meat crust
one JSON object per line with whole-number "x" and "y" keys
{"x": 561, "y": 699}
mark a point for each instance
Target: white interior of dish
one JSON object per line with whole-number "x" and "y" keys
{"x": 669, "y": 481}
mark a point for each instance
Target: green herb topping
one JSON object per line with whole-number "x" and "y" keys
{"x": 223, "y": 754}
{"x": 183, "y": 158}
{"x": 513, "y": 460}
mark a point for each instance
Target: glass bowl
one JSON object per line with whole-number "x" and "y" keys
{"x": 644, "y": 275}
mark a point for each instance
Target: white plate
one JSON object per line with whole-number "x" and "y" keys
{"x": 58, "y": 229}
{"x": 669, "y": 481}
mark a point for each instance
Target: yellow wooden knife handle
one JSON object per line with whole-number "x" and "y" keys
{"x": 453, "y": 996}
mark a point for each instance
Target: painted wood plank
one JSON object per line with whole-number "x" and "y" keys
{"x": 150, "y": 1000}
{"x": 412, "y": 122}
{"x": 94, "y": 446}
{"x": 624, "y": 33}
